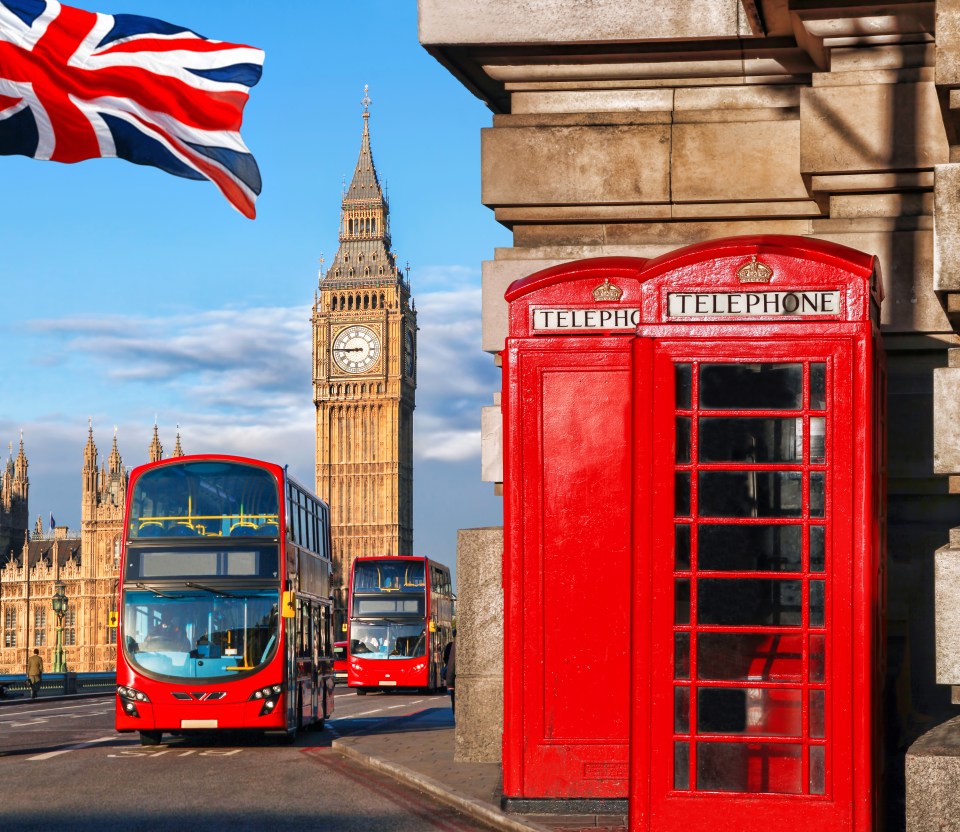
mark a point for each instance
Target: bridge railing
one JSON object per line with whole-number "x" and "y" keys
{"x": 15, "y": 686}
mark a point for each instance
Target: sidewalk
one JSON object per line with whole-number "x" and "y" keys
{"x": 419, "y": 750}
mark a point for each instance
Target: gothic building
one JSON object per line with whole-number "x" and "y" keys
{"x": 364, "y": 379}
{"x": 14, "y": 487}
{"x": 88, "y": 565}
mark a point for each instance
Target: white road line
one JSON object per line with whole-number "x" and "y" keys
{"x": 31, "y": 712}
{"x": 50, "y": 754}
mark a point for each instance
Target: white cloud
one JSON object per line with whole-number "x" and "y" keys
{"x": 238, "y": 380}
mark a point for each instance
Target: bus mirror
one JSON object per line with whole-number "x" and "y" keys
{"x": 289, "y": 607}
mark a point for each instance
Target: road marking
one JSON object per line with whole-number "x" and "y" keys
{"x": 50, "y": 754}
{"x": 61, "y": 708}
{"x": 16, "y": 723}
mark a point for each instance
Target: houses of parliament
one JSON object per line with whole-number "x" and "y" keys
{"x": 33, "y": 560}
{"x": 364, "y": 379}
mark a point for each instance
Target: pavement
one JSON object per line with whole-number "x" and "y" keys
{"x": 419, "y": 750}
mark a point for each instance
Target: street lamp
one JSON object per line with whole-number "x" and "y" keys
{"x": 60, "y": 603}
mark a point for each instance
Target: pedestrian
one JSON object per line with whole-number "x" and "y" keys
{"x": 450, "y": 675}
{"x": 34, "y": 673}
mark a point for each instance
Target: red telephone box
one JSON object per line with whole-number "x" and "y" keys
{"x": 757, "y": 585}
{"x": 567, "y": 484}
{"x": 693, "y": 452}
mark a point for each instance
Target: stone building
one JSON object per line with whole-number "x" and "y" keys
{"x": 637, "y": 128}
{"x": 364, "y": 380}
{"x": 14, "y": 491}
{"x": 88, "y": 565}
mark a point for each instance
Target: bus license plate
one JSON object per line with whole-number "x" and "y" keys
{"x": 198, "y": 723}
{"x": 387, "y": 684}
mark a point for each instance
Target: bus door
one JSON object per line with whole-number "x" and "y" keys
{"x": 748, "y": 549}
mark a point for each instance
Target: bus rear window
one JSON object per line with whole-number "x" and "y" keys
{"x": 205, "y": 499}
{"x": 388, "y": 577}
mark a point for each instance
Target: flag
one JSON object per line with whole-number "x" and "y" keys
{"x": 53, "y": 524}
{"x": 78, "y": 85}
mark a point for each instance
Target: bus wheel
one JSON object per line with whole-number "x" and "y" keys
{"x": 361, "y": 692}
{"x": 150, "y": 737}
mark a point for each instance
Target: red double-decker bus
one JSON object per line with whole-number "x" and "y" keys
{"x": 401, "y": 617}
{"x": 225, "y": 610}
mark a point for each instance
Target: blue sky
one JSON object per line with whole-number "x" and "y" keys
{"x": 131, "y": 295}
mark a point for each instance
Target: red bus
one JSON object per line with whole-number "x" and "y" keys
{"x": 401, "y": 617}
{"x": 340, "y": 661}
{"x": 225, "y": 610}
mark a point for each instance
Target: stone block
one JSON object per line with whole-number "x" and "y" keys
{"x": 497, "y": 277}
{"x": 479, "y": 702}
{"x": 946, "y": 216}
{"x": 479, "y": 644}
{"x": 906, "y": 262}
{"x": 946, "y": 580}
{"x": 495, "y": 22}
{"x": 729, "y": 162}
{"x": 871, "y": 127}
{"x": 948, "y": 43}
{"x": 859, "y": 206}
{"x": 574, "y": 165}
{"x": 491, "y": 444}
{"x": 933, "y": 780}
{"x": 694, "y": 99}
{"x": 592, "y": 101}
{"x": 946, "y": 421}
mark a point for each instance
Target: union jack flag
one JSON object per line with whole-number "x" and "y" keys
{"x": 78, "y": 85}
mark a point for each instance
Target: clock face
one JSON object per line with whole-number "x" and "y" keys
{"x": 356, "y": 349}
{"x": 408, "y": 353}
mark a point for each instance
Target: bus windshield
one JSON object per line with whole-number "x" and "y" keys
{"x": 198, "y": 632}
{"x": 387, "y": 640}
{"x": 205, "y": 499}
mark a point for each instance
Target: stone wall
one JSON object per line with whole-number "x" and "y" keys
{"x": 634, "y": 129}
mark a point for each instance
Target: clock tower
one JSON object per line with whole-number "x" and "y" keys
{"x": 364, "y": 380}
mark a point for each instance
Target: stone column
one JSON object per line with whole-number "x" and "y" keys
{"x": 933, "y": 780}
{"x": 479, "y": 645}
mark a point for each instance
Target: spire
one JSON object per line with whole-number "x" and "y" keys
{"x": 177, "y": 450}
{"x": 20, "y": 466}
{"x": 115, "y": 463}
{"x": 90, "y": 450}
{"x": 365, "y": 254}
{"x": 365, "y": 186}
{"x": 156, "y": 449}
{"x": 89, "y": 473}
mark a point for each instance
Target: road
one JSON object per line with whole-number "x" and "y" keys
{"x": 62, "y": 765}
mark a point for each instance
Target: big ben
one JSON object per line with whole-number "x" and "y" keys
{"x": 364, "y": 380}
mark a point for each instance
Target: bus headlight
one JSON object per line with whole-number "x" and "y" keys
{"x": 129, "y": 697}
{"x": 269, "y": 695}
